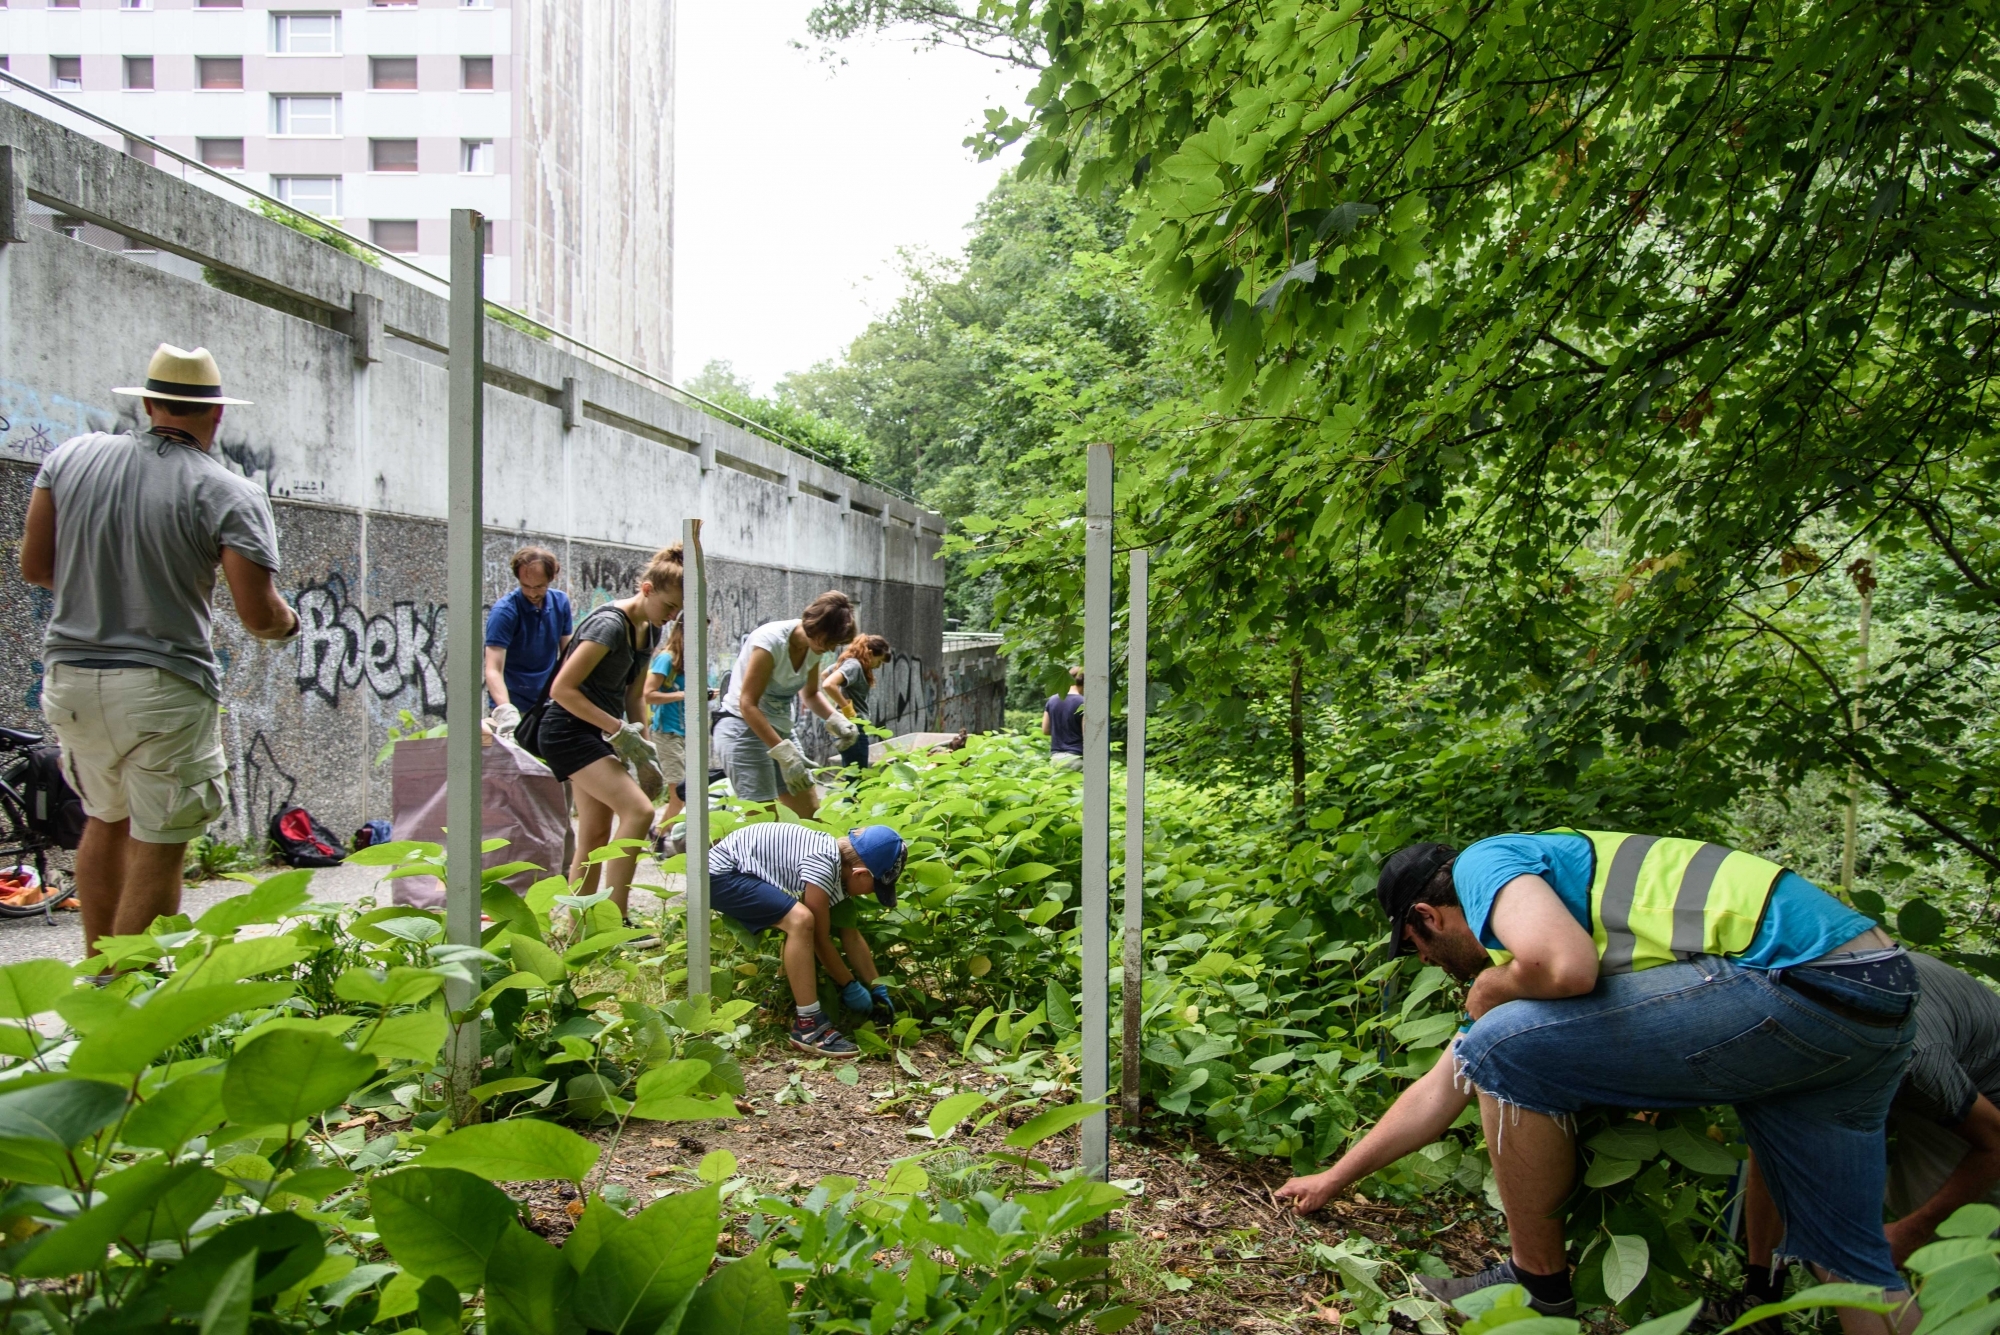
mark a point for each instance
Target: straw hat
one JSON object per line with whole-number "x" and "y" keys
{"x": 187, "y": 377}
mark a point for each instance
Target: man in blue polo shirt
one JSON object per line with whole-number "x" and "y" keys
{"x": 526, "y": 633}
{"x": 1628, "y": 971}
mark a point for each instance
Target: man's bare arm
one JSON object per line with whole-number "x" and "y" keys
{"x": 1423, "y": 1113}
{"x": 259, "y": 606}
{"x": 1970, "y": 1181}
{"x": 1554, "y": 956}
{"x": 38, "y": 541}
{"x": 496, "y": 675}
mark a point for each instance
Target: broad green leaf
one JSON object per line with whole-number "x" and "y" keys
{"x": 401, "y": 986}
{"x": 129, "y": 1041}
{"x": 288, "y": 1077}
{"x": 512, "y": 1084}
{"x": 227, "y": 1311}
{"x": 671, "y": 1078}
{"x": 415, "y": 1035}
{"x": 952, "y": 1110}
{"x": 394, "y": 852}
{"x": 1052, "y": 1122}
{"x": 1858, "y": 1296}
{"x": 1625, "y": 1262}
{"x": 181, "y": 1110}
{"x": 716, "y": 1167}
{"x": 645, "y": 1272}
{"x": 528, "y": 1287}
{"x": 233, "y": 961}
{"x": 60, "y": 1113}
{"x": 80, "y": 1245}
{"x": 1673, "y": 1323}
{"x": 742, "y": 1298}
{"x": 504, "y": 906}
{"x": 287, "y": 1248}
{"x": 33, "y": 986}
{"x": 1697, "y": 1152}
{"x": 273, "y": 898}
{"x": 1627, "y": 1140}
{"x": 686, "y": 1108}
{"x": 905, "y": 1177}
{"x": 1606, "y": 1171}
{"x": 598, "y": 1223}
{"x": 522, "y": 1150}
{"x": 1978, "y": 1220}
{"x": 530, "y": 954}
{"x": 440, "y": 1221}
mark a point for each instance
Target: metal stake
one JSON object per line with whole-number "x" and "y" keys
{"x": 694, "y": 710}
{"x": 1096, "y": 1158}
{"x": 465, "y": 565}
{"x": 1135, "y": 836}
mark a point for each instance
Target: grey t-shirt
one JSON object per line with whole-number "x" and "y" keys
{"x": 774, "y": 638}
{"x": 141, "y": 522}
{"x": 614, "y": 674}
{"x": 854, "y": 684}
{"x": 1957, "y": 1052}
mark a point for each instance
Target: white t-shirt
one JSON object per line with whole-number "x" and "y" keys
{"x": 774, "y": 638}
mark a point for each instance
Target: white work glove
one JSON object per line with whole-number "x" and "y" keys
{"x": 845, "y": 731}
{"x": 791, "y": 765}
{"x": 506, "y": 718}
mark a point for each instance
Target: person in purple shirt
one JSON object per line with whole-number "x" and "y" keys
{"x": 526, "y": 633}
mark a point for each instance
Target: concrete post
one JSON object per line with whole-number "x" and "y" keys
{"x": 570, "y": 400}
{"x": 13, "y": 195}
{"x": 1135, "y": 837}
{"x": 694, "y": 711}
{"x": 364, "y": 328}
{"x": 1096, "y": 927}
{"x": 463, "y": 579}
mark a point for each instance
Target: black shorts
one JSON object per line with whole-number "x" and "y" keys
{"x": 568, "y": 743}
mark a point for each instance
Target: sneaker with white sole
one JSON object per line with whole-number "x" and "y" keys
{"x": 1461, "y": 1286}
{"x": 816, "y": 1034}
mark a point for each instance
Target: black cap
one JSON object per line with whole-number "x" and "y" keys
{"x": 1402, "y": 883}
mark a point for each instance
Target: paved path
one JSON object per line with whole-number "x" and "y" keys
{"x": 32, "y": 938}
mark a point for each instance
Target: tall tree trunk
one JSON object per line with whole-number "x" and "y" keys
{"x": 1298, "y": 730}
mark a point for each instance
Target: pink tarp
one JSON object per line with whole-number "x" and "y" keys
{"x": 522, "y": 803}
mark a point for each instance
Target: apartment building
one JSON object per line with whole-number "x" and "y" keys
{"x": 554, "y": 118}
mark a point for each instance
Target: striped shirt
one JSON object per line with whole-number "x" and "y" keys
{"x": 790, "y": 857}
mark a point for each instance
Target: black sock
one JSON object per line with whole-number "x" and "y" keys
{"x": 1764, "y": 1283}
{"x": 1545, "y": 1288}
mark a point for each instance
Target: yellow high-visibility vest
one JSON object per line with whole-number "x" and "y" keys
{"x": 1654, "y": 900}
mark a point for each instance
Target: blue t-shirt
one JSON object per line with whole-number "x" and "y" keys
{"x": 532, "y": 637}
{"x": 668, "y": 718}
{"x": 1065, "y": 724}
{"x": 1801, "y": 922}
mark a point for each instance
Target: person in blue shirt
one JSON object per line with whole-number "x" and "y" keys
{"x": 666, "y": 692}
{"x": 526, "y": 633}
{"x": 1627, "y": 971}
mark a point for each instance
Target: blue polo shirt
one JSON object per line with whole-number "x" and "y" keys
{"x": 532, "y": 637}
{"x": 1801, "y": 921}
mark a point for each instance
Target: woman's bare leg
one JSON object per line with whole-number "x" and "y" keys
{"x": 606, "y": 784}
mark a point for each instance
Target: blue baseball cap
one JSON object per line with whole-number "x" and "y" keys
{"x": 881, "y": 850}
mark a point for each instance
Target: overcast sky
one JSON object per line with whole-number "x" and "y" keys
{"x": 796, "y": 182}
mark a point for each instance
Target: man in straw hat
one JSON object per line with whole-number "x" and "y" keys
{"x": 127, "y": 531}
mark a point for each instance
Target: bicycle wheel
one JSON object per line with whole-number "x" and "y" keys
{"x": 24, "y": 853}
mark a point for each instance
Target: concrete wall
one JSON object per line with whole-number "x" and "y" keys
{"x": 973, "y": 691}
{"x": 347, "y": 436}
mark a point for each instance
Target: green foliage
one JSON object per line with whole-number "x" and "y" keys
{"x": 307, "y": 225}
{"x": 786, "y": 423}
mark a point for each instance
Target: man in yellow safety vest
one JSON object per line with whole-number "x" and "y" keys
{"x": 1629, "y": 971}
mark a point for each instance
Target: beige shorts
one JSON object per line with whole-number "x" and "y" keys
{"x": 139, "y": 743}
{"x": 671, "y": 748}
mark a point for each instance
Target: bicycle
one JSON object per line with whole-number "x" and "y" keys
{"x": 19, "y": 839}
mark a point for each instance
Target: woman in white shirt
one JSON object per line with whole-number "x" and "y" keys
{"x": 780, "y": 661}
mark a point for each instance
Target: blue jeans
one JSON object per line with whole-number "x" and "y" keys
{"x": 1811, "y": 1081}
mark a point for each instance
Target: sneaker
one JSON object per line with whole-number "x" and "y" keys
{"x": 1451, "y": 1290}
{"x": 816, "y": 1034}
{"x": 651, "y": 941}
{"x": 1722, "y": 1313}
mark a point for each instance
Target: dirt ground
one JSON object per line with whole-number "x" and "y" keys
{"x": 1213, "y": 1250}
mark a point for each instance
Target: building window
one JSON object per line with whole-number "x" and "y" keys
{"x": 63, "y": 4}
{"x": 398, "y": 235}
{"x": 135, "y": 4}
{"x": 475, "y": 4}
{"x": 139, "y": 73}
{"x": 392, "y": 155}
{"x": 66, "y": 73}
{"x": 392, "y": 4}
{"x": 486, "y": 235}
{"x": 219, "y": 72}
{"x": 305, "y": 34}
{"x": 398, "y": 73}
{"x": 475, "y": 157}
{"x": 476, "y": 73}
{"x": 222, "y": 154}
{"x": 218, "y": 4}
{"x": 315, "y": 116}
{"x": 139, "y": 148}
{"x": 311, "y": 194}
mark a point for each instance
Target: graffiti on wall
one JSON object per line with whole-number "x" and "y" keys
{"x": 341, "y": 648}
{"x": 33, "y": 423}
{"x": 265, "y": 788}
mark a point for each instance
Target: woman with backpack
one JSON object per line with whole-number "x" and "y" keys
{"x": 780, "y": 661}
{"x": 849, "y": 683}
{"x": 595, "y": 720}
